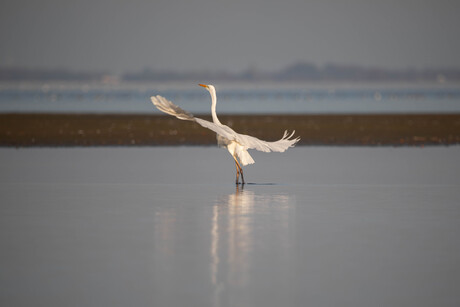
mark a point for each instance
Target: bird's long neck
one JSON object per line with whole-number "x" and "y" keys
{"x": 213, "y": 106}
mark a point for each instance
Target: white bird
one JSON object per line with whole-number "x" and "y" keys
{"x": 236, "y": 144}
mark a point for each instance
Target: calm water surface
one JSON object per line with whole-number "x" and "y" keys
{"x": 273, "y": 98}
{"x": 318, "y": 226}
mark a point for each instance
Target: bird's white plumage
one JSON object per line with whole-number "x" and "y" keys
{"x": 247, "y": 141}
{"x": 170, "y": 108}
{"x": 237, "y": 144}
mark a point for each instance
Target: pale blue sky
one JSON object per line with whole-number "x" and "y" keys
{"x": 231, "y": 35}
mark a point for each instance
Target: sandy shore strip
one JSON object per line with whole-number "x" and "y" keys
{"x": 22, "y": 130}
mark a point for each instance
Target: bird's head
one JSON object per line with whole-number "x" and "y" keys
{"x": 209, "y": 87}
{"x": 212, "y": 91}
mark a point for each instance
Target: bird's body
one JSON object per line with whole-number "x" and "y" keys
{"x": 236, "y": 144}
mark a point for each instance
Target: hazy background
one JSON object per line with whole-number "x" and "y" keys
{"x": 118, "y": 36}
{"x": 165, "y": 225}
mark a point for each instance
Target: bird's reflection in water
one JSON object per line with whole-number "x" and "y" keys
{"x": 221, "y": 242}
{"x": 233, "y": 232}
{"x": 232, "y": 218}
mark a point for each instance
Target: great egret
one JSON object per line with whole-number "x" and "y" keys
{"x": 236, "y": 144}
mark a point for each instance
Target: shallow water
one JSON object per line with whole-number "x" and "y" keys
{"x": 317, "y": 226}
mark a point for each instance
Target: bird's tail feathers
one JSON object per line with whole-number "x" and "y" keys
{"x": 170, "y": 108}
{"x": 244, "y": 156}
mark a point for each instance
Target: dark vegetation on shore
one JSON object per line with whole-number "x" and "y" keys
{"x": 22, "y": 130}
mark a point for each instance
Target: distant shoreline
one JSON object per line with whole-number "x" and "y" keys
{"x": 64, "y": 130}
{"x": 299, "y": 71}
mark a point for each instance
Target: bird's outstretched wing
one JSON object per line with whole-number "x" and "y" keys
{"x": 170, "y": 108}
{"x": 247, "y": 141}
{"x": 278, "y": 146}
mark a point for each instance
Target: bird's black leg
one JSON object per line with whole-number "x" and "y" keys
{"x": 239, "y": 170}
{"x": 242, "y": 177}
{"x": 237, "y": 173}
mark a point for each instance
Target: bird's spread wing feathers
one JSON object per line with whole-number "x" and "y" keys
{"x": 247, "y": 141}
{"x": 220, "y": 129}
{"x": 278, "y": 146}
{"x": 170, "y": 108}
